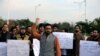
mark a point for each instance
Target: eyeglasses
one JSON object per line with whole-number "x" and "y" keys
{"x": 48, "y": 28}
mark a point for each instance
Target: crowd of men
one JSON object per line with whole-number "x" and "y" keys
{"x": 49, "y": 44}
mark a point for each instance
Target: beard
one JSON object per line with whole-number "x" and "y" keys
{"x": 76, "y": 31}
{"x": 94, "y": 36}
{"x": 22, "y": 33}
{"x": 47, "y": 33}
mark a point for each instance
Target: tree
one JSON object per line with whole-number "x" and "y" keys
{"x": 85, "y": 26}
{"x": 24, "y": 22}
{"x": 1, "y": 21}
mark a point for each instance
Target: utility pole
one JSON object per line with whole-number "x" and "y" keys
{"x": 85, "y": 9}
{"x": 8, "y": 12}
{"x": 36, "y": 9}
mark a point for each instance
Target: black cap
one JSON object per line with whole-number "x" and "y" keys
{"x": 23, "y": 27}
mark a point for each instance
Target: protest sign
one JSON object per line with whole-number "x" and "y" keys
{"x": 18, "y": 48}
{"x": 89, "y": 48}
{"x": 65, "y": 39}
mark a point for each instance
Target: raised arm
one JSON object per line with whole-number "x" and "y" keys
{"x": 35, "y": 33}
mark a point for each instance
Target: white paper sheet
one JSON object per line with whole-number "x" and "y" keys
{"x": 36, "y": 47}
{"x": 65, "y": 39}
{"x": 3, "y": 49}
{"x": 89, "y": 48}
{"x": 18, "y": 48}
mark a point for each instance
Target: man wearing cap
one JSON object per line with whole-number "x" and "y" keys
{"x": 22, "y": 35}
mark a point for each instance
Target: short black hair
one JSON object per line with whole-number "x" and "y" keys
{"x": 65, "y": 29}
{"x": 41, "y": 25}
{"x": 47, "y": 24}
{"x": 28, "y": 26}
{"x": 55, "y": 25}
{"x": 93, "y": 29}
{"x": 78, "y": 26}
{"x": 12, "y": 28}
{"x": 4, "y": 25}
{"x": 17, "y": 25}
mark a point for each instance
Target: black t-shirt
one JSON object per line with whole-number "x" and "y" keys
{"x": 4, "y": 36}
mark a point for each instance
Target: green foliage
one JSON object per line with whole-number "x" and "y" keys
{"x": 1, "y": 21}
{"x": 24, "y": 22}
{"x": 65, "y": 25}
{"x": 85, "y": 25}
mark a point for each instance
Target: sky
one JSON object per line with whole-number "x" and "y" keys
{"x": 52, "y": 11}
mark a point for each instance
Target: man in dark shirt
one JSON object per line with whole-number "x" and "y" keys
{"x": 94, "y": 35}
{"x": 4, "y": 34}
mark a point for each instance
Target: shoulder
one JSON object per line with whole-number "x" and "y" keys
{"x": 26, "y": 36}
{"x": 18, "y": 35}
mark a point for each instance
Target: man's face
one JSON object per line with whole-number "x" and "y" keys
{"x": 62, "y": 30}
{"x": 91, "y": 33}
{"x": 55, "y": 29}
{"x": 17, "y": 27}
{"x": 77, "y": 29}
{"x": 5, "y": 28}
{"x": 14, "y": 31}
{"x": 41, "y": 29}
{"x": 48, "y": 29}
{"x": 29, "y": 29}
{"x": 23, "y": 31}
{"x": 95, "y": 33}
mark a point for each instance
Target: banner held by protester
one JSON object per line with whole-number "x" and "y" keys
{"x": 65, "y": 39}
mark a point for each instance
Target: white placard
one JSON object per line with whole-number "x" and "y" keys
{"x": 65, "y": 39}
{"x": 18, "y": 48}
{"x": 3, "y": 49}
{"x": 36, "y": 47}
{"x": 89, "y": 48}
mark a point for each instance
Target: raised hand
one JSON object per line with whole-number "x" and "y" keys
{"x": 37, "y": 21}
